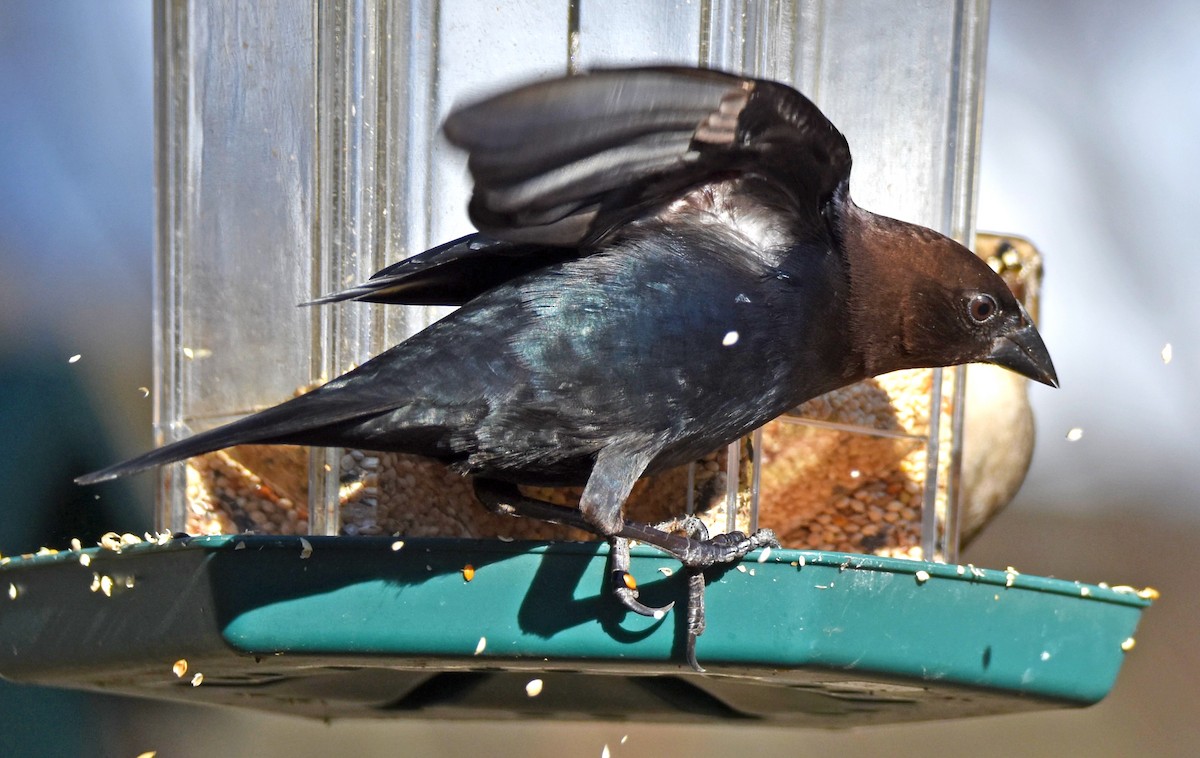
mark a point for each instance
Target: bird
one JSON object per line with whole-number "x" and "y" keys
{"x": 998, "y": 425}
{"x": 666, "y": 259}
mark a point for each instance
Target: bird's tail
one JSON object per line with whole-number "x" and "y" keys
{"x": 295, "y": 422}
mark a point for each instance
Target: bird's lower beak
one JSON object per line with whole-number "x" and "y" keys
{"x": 1023, "y": 351}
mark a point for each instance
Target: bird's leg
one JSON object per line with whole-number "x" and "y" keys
{"x": 507, "y": 499}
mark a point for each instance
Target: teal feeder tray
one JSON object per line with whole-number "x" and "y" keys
{"x": 378, "y": 627}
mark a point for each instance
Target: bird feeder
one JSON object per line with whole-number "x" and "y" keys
{"x": 298, "y": 152}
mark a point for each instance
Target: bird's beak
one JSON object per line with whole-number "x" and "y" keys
{"x": 1023, "y": 351}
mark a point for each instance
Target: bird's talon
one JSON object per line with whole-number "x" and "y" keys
{"x": 629, "y": 599}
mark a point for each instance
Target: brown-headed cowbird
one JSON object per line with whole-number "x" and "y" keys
{"x": 668, "y": 258}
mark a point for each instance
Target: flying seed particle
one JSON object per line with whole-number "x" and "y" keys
{"x": 197, "y": 679}
{"x": 179, "y": 667}
{"x": 397, "y": 545}
{"x": 74, "y": 358}
{"x": 145, "y": 391}
{"x": 1075, "y": 434}
{"x": 731, "y": 338}
{"x": 604, "y": 753}
{"x": 12, "y": 591}
{"x": 533, "y": 688}
{"x": 106, "y": 585}
{"x": 1167, "y": 353}
{"x": 481, "y": 645}
{"x": 1128, "y": 644}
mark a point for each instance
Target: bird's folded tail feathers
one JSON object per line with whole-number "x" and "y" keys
{"x": 288, "y": 423}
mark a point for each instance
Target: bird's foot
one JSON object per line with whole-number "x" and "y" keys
{"x": 624, "y": 586}
{"x": 685, "y": 538}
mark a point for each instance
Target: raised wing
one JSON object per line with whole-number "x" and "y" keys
{"x": 563, "y": 162}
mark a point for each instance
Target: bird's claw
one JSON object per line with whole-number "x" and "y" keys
{"x": 624, "y": 586}
{"x": 625, "y": 590}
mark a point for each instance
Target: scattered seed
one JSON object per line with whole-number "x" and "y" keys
{"x": 74, "y": 358}
{"x": 468, "y": 572}
{"x": 179, "y": 667}
{"x": 306, "y": 548}
{"x": 533, "y": 688}
{"x": 922, "y": 576}
{"x": 1074, "y": 434}
{"x": 198, "y": 679}
{"x": 1167, "y": 353}
{"x": 479, "y": 647}
{"x": 1128, "y": 644}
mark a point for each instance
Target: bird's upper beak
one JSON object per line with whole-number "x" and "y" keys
{"x": 1023, "y": 351}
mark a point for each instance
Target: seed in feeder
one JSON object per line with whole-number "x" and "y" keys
{"x": 468, "y": 572}
{"x": 197, "y": 679}
{"x": 85, "y": 559}
{"x": 1148, "y": 593}
{"x": 922, "y": 576}
{"x": 1128, "y": 644}
{"x": 1075, "y": 434}
{"x": 305, "y": 548}
{"x": 179, "y": 667}
{"x": 1084, "y": 591}
{"x": 533, "y": 688}
{"x": 1167, "y": 353}
{"x": 76, "y": 544}
{"x": 110, "y": 541}
{"x": 481, "y": 645}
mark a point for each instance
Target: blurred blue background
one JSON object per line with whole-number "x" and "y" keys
{"x": 1089, "y": 149}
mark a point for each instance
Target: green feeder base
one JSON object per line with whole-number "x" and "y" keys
{"x": 339, "y": 627}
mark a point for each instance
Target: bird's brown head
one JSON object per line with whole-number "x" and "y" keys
{"x": 921, "y": 300}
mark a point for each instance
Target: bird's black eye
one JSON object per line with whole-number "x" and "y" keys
{"x": 983, "y": 307}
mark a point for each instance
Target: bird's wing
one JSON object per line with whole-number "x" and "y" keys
{"x": 564, "y": 161}
{"x": 453, "y": 273}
